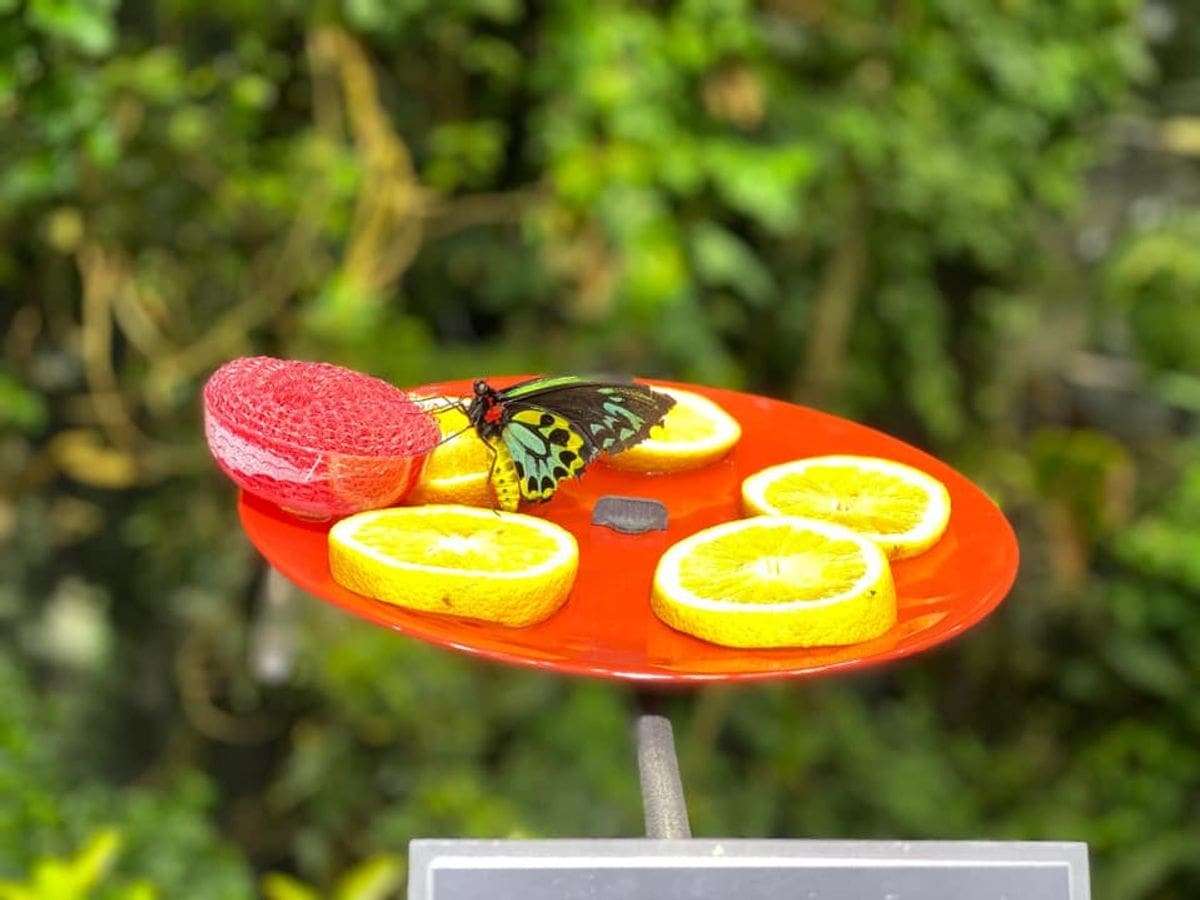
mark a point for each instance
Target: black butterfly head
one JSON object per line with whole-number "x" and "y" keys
{"x": 485, "y": 410}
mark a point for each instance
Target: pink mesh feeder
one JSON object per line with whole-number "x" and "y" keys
{"x": 316, "y": 439}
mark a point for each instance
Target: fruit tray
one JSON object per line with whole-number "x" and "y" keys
{"x": 607, "y": 629}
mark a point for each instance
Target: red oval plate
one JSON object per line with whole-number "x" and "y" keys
{"x": 606, "y": 628}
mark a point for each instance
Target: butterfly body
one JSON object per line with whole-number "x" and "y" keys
{"x": 503, "y": 478}
{"x": 551, "y": 428}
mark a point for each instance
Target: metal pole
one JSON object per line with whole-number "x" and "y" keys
{"x": 662, "y": 788}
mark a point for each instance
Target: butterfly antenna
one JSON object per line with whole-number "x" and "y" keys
{"x": 449, "y": 437}
{"x": 442, "y": 404}
{"x": 448, "y": 403}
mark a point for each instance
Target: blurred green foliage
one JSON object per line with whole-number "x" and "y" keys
{"x": 970, "y": 223}
{"x": 64, "y": 840}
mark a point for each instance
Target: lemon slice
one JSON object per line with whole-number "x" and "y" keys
{"x": 482, "y": 564}
{"x": 901, "y": 508}
{"x": 695, "y": 432}
{"x": 457, "y": 470}
{"x": 776, "y": 581}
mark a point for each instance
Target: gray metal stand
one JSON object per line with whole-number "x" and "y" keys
{"x": 668, "y": 864}
{"x": 664, "y": 808}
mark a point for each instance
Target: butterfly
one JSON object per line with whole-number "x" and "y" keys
{"x": 547, "y": 429}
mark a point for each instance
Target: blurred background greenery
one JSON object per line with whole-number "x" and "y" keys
{"x": 972, "y": 223}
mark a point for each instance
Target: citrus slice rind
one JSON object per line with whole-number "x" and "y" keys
{"x": 696, "y": 432}
{"x": 778, "y": 581}
{"x": 901, "y": 508}
{"x": 512, "y": 569}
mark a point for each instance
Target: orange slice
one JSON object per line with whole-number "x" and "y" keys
{"x": 695, "y": 433}
{"x": 457, "y": 470}
{"x": 500, "y": 567}
{"x": 902, "y": 509}
{"x": 776, "y": 581}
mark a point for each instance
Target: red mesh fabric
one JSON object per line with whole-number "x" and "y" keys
{"x": 314, "y": 437}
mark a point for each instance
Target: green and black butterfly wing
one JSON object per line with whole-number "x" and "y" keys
{"x": 610, "y": 415}
{"x": 545, "y": 448}
{"x": 554, "y": 427}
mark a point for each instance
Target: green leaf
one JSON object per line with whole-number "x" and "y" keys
{"x": 86, "y": 25}
{"x": 1148, "y": 666}
{"x": 465, "y": 154}
{"x": 278, "y": 886}
{"x": 765, "y": 183}
{"x": 725, "y": 260}
{"x": 95, "y": 859}
{"x": 377, "y": 878}
{"x": 20, "y": 407}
